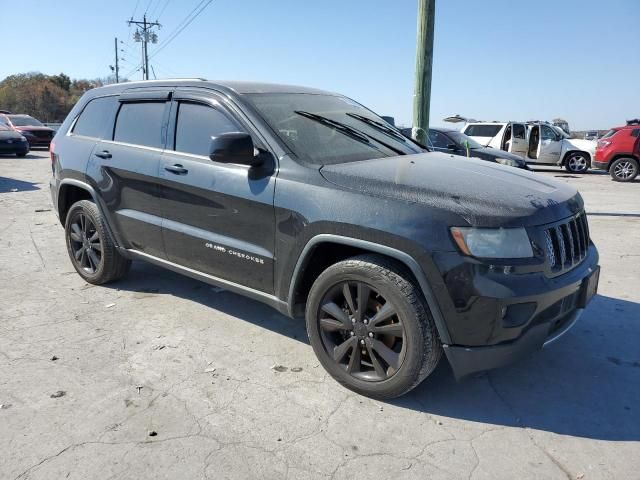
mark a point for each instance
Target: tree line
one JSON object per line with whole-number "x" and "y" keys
{"x": 48, "y": 98}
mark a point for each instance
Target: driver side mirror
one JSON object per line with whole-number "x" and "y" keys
{"x": 234, "y": 147}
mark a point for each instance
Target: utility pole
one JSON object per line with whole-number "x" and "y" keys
{"x": 424, "y": 64}
{"x": 145, "y": 35}
{"x": 116, "y": 69}
{"x": 117, "y": 66}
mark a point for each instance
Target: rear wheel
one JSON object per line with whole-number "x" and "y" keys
{"x": 624, "y": 169}
{"x": 91, "y": 250}
{"x": 370, "y": 327}
{"x": 577, "y": 162}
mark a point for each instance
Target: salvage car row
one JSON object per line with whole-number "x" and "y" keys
{"x": 19, "y": 133}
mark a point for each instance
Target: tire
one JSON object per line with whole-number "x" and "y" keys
{"x": 91, "y": 250}
{"x": 624, "y": 169}
{"x": 577, "y": 162}
{"x": 401, "y": 345}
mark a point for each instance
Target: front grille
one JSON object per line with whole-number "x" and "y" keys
{"x": 42, "y": 134}
{"x": 566, "y": 244}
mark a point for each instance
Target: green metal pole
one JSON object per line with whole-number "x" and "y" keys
{"x": 424, "y": 63}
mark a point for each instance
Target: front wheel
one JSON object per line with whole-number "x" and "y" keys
{"x": 370, "y": 327}
{"x": 577, "y": 162}
{"x": 624, "y": 169}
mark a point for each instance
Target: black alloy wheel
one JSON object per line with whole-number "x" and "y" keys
{"x": 361, "y": 331}
{"x": 85, "y": 243}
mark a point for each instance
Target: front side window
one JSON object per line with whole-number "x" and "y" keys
{"x": 140, "y": 124}
{"x": 519, "y": 131}
{"x": 91, "y": 122}
{"x": 635, "y": 132}
{"x": 548, "y": 133}
{"x": 196, "y": 125}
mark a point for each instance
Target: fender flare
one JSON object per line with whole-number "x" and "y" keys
{"x": 399, "y": 255}
{"x": 94, "y": 196}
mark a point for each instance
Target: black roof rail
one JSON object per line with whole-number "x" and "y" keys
{"x": 635, "y": 121}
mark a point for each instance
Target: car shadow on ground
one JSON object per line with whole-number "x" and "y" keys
{"x": 13, "y": 185}
{"x": 147, "y": 278}
{"x": 586, "y": 384}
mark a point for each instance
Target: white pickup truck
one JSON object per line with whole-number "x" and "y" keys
{"x": 537, "y": 142}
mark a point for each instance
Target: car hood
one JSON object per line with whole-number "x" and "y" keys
{"x": 588, "y": 146}
{"x": 9, "y": 135}
{"x": 479, "y": 192}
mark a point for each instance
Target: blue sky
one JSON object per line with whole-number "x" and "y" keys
{"x": 494, "y": 59}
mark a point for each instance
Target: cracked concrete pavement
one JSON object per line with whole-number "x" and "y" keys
{"x": 165, "y": 377}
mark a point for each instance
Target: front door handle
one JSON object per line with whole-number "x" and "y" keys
{"x": 177, "y": 169}
{"x": 103, "y": 154}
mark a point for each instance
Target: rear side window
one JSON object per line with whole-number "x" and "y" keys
{"x": 91, "y": 122}
{"x": 482, "y": 130}
{"x": 140, "y": 124}
{"x": 196, "y": 125}
{"x": 519, "y": 131}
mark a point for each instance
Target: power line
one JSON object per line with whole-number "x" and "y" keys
{"x": 171, "y": 38}
{"x": 164, "y": 7}
{"x": 144, "y": 34}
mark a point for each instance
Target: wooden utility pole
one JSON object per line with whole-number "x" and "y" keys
{"x": 424, "y": 64}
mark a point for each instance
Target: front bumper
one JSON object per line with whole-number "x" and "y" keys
{"x": 495, "y": 318}
{"x": 600, "y": 165}
{"x": 468, "y": 360}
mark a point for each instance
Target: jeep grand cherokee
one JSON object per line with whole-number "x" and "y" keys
{"x": 313, "y": 204}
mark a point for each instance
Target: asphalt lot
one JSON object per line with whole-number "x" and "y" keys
{"x": 162, "y": 377}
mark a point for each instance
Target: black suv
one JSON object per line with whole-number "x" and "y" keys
{"x": 313, "y": 204}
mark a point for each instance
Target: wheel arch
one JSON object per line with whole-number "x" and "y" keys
{"x": 71, "y": 191}
{"x": 344, "y": 247}
{"x": 618, "y": 156}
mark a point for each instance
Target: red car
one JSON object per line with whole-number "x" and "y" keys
{"x": 618, "y": 152}
{"x": 33, "y": 130}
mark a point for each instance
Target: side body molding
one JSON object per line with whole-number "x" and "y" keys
{"x": 403, "y": 257}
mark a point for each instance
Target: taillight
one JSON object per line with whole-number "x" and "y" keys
{"x": 53, "y": 155}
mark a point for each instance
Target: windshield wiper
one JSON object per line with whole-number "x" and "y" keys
{"x": 340, "y": 127}
{"x": 349, "y": 131}
{"x": 378, "y": 126}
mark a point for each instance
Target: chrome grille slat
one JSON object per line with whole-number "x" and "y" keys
{"x": 566, "y": 243}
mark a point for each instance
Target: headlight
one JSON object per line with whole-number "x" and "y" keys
{"x": 507, "y": 161}
{"x": 23, "y": 139}
{"x": 493, "y": 242}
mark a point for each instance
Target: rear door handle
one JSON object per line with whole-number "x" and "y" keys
{"x": 103, "y": 154}
{"x": 177, "y": 169}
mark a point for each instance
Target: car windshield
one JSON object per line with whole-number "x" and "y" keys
{"x": 328, "y": 129}
{"x": 460, "y": 138}
{"x": 24, "y": 121}
{"x": 4, "y": 126}
{"x": 610, "y": 133}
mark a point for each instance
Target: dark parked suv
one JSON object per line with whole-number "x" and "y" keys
{"x": 313, "y": 204}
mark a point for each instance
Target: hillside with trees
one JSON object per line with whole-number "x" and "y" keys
{"x": 48, "y": 98}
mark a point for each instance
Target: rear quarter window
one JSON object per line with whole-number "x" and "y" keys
{"x": 140, "y": 123}
{"x": 92, "y": 120}
{"x": 482, "y": 130}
